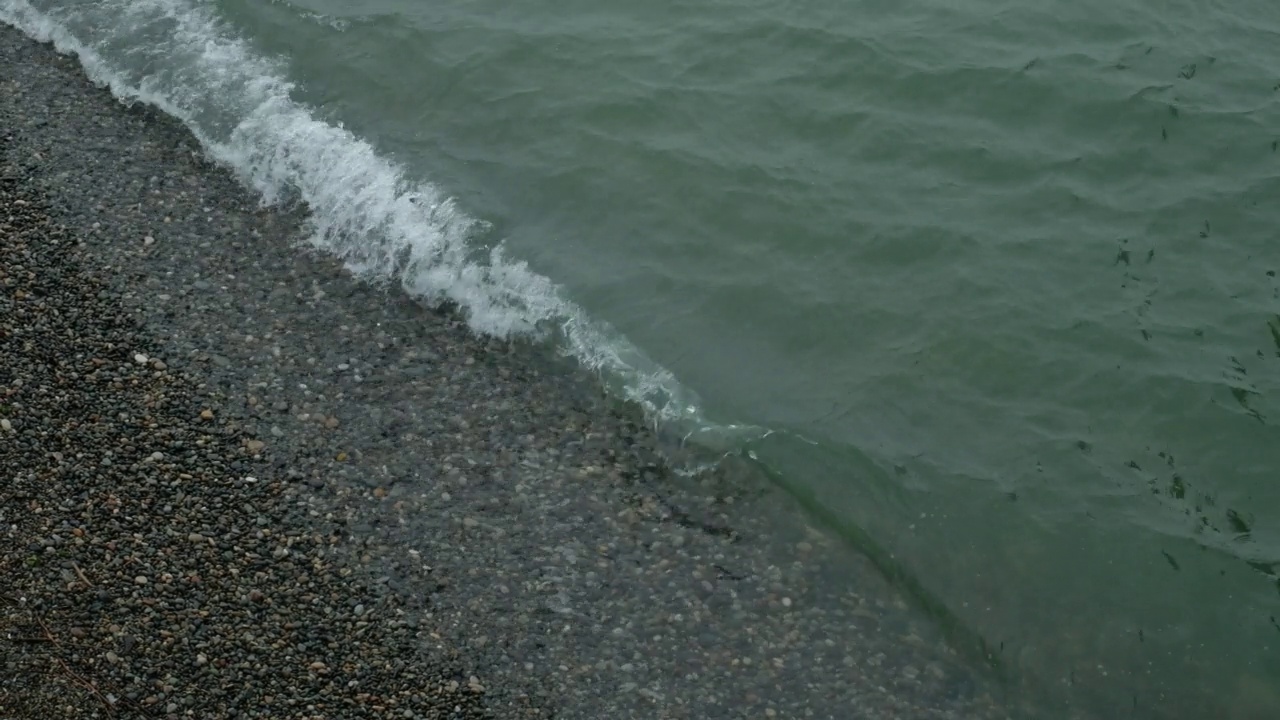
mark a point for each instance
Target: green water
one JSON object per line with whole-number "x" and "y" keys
{"x": 999, "y": 277}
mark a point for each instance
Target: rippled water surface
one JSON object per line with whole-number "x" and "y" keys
{"x": 991, "y": 286}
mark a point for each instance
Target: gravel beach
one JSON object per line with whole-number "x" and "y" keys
{"x": 237, "y": 482}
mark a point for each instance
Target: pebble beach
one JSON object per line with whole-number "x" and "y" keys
{"x": 237, "y": 482}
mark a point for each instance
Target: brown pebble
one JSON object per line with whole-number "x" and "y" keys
{"x": 331, "y": 422}
{"x": 255, "y": 446}
{"x": 256, "y": 595}
{"x": 206, "y": 414}
{"x": 159, "y": 365}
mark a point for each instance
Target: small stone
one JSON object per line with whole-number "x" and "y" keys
{"x": 148, "y": 240}
{"x": 141, "y": 580}
{"x": 201, "y": 659}
{"x": 786, "y": 602}
{"x": 206, "y": 414}
{"x": 159, "y": 365}
{"x": 340, "y": 457}
{"x": 113, "y": 658}
{"x": 317, "y": 666}
{"x": 157, "y": 456}
{"x": 470, "y": 522}
{"x": 331, "y": 422}
{"x": 6, "y": 425}
{"x": 140, "y": 359}
{"x": 77, "y": 632}
{"x": 195, "y": 538}
{"x": 256, "y": 595}
{"x": 255, "y": 446}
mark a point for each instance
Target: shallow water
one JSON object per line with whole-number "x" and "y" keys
{"x": 992, "y": 286}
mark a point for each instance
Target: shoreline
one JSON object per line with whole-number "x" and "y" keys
{"x": 515, "y": 527}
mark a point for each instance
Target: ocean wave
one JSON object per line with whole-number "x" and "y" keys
{"x": 180, "y": 57}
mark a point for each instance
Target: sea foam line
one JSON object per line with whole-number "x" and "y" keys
{"x": 180, "y": 57}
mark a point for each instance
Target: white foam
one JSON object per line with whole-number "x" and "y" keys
{"x": 178, "y": 56}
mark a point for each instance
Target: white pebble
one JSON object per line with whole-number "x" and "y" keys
{"x": 157, "y": 456}
{"x": 140, "y": 359}
{"x": 148, "y": 240}
{"x": 6, "y": 425}
{"x": 786, "y": 602}
{"x": 141, "y": 580}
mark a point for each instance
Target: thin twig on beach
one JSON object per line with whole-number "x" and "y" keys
{"x": 88, "y": 686}
{"x": 80, "y": 574}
